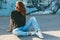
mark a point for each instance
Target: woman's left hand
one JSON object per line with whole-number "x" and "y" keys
{"x": 9, "y": 30}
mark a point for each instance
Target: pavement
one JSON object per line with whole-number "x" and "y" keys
{"x": 49, "y": 25}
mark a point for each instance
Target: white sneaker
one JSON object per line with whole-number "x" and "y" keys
{"x": 39, "y": 34}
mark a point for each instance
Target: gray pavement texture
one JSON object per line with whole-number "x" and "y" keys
{"x": 49, "y": 25}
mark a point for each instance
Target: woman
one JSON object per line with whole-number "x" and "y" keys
{"x": 18, "y": 22}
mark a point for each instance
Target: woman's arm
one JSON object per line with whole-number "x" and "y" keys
{"x": 11, "y": 24}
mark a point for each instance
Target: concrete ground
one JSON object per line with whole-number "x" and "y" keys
{"x": 49, "y": 25}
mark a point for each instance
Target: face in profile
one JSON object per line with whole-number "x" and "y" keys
{"x": 17, "y": 7}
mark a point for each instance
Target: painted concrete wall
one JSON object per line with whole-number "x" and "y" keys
{"x": 7, "y": 7}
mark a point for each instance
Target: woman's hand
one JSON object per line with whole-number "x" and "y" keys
{"x": 9, "y": 30}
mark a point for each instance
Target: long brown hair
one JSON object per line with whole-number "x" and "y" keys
{"x": 22, "y": 8}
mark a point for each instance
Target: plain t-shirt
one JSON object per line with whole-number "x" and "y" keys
{"x": 18, "y": 19}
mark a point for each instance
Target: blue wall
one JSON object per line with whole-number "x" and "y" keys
{"x": 7, "y": 7}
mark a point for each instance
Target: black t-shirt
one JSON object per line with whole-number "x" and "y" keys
{"x": 18, "y": 19}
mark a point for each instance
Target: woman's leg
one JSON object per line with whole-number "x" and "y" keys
{"x": 35, "y": 24}
{"x": 19, "y": 32}
{"x": 32, "y": 21}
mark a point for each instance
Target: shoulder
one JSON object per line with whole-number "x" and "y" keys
{"x": 13, "y": 11}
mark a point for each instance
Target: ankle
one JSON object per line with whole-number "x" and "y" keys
{"x": 37, "y": 30}
{"x": 29, "y": 33}
{"x": 32, "y": 33}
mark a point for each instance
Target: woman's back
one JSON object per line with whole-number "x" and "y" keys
{"x": 18, "y": 19}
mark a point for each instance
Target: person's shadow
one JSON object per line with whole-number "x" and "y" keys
{"x": 29, "y": 38}
{"x": 46, "y": 37}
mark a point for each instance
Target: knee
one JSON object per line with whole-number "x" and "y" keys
{"x": 15, "y": 32}
{"x": 33, "y": 18}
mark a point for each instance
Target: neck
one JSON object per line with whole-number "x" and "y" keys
{"x": 18, "y": 10}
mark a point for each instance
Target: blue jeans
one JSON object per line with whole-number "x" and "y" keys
{"x": 22, "y": 30}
